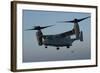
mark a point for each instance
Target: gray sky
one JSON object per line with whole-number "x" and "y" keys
{"x": 34, "y": 53}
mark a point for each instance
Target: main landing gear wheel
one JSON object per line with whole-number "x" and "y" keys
{"x": 57, "y": 48}
{"x": 46, "y": 47}
{"x": 68, "y": 46}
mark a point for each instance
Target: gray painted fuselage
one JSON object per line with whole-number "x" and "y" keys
{"x": 58, "y": 41}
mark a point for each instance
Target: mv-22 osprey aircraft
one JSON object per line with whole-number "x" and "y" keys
{"x": 62, "y": 39}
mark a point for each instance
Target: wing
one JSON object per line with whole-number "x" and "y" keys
{"x": 68, "y": 33}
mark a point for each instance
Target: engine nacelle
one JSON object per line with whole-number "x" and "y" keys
{"x": 81, "y": 36}
{"x": 39, "y": 36}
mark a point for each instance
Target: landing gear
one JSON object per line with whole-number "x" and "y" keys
{"x": 46, "y": 47}
{"x": 57, "y": 48}
{"x": 68, "y": 46}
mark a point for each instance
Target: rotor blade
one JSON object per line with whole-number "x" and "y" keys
{"x": 39, "y": 28}
{"x": 75, "y": 20}
{"x": 65, "y": 21}
{"x": 29, "y": 29}
{"x": 46, "y": 26}
{"x": 82, "y": 19}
